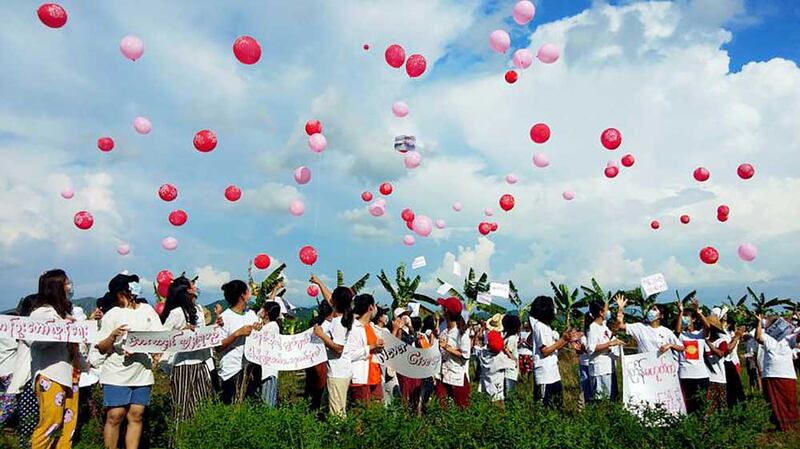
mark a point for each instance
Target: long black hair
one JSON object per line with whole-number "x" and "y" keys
{"x": 324, "y": 310}
{"x": 25, "y": 306}
{"x": 362, "y": 303}
{"x": 272, "y": 310}
{"x": 178, "y": 297}
{"x": 543, "y": 309}
{"x": 234, "y": 290}
{"x": 52, "y": 292}
{"x": 342, "y": 298}
{"x": 511, "y": 325}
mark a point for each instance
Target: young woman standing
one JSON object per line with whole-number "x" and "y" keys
{"x": 599, "y": 341}
{"x": 335, "y": 337}
{"x": 126, "y": 378}
{"x": 650, "y": 337}
{"x": 362, "y": 342}
{"x": 546, "y": 343}
{"x": 53, "y": 367}
{"x": 779, "y": 380}
{"x": 269, "y": 376}
{"x": 240, "y": 379}
{"x": 511, "y": 328}
{"x": 692, "y": 328}
{"x": 719, "y": 346}
{"x": 456, "y": 348}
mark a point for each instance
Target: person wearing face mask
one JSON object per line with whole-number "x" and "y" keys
{"x": 650, "y": 337}
{"x": 362, "y": 343}
{"x": 778, "y": 376}
{"x": 126, "y": 378}
{"x": 692, "y": 328}
{"x": 719, "y": 348}
{"x": 240, "y": 378}
{"x": 599, "y": 342}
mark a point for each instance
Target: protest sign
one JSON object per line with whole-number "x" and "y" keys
{"x": 652, "y": 381}
{"x": 499, "y": 289}
{"x": 444, "y": 288}
{"x": 30, "y": 329}
{"x": 156, "y": 342}
{"x": 408, "y": 360}
{"x": 457, "y": 269}
{"x": 418, "y": 262}
{"x": 285, "y": 352}
{"x": 653, "y": 284}
{"x": 483, "y": 298}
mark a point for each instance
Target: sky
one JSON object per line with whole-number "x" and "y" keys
{"x": 711, "y": 83}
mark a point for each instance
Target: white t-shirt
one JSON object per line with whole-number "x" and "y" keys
{"x": 491, "y": 382}
{"x": 778, "y": 357}
{"x": 599, "y": 361}
{"x": 650, "y": 339}
{"x": 717, "y": 374}
{"x": 455, "y": 369}
{"x": 583, "y": 357}
{"x": 269, "y": 328}
{"x": 545, "y": 369}
{"x": 177, "y": 321}
{"x": 134, "y": 370}
{"x": 8, "y": 353}
{"x": 232, "y": 357}
{"x": 50, "y": 359}
{"x": 524, "y": 349}
{"x": 512, "y": 343}
{"x": 692, "y": 360}
{"x": 734, "y": 355}
{"x": 339, "y": 366}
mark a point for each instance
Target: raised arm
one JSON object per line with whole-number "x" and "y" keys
{"x": 621, "y": 303}
{"x": 679, "y": 324}
{"x": 560, "y": 343}
{"x": 326, "y": 293}
{"x": 759, "y": 330}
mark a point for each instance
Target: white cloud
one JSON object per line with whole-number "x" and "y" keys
{"x": 211, "y": 279}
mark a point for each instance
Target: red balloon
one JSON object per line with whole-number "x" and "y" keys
{"x": 308, "y": 255}
{"x": 313, "y": 127}
{"x": 655, "y": 224}
{"x": 685, "y": 219}
{"x": 746, "y": 171}
{"x": 52, "y": 15}
{"x": 611, "y": 138}
{"x": 494, "y": 226}
{"x": 164, "y": 277}
{"x": 410, "y": 224}
{"x": 83, "y": 220}
{"x": 105, "y": 144}
{"x": 507, "y": 202}
{"x": 722, "y": 218}
{"x": 628, "y": 160}
{"x": 386, "y": 189}
{"x": 366, "y": 196}
{"x": 540, "y": 133}
{"x": 247, "y": 50}
{"x": 233, "y": 193}
{"x": 484, "y": 228}
{"x": 723, "y": 210}
{"x": 167, "y": 192}
{"x": 407, "y": 214}
{"x": 511, "y": 77}
{"x": 312, "y": 290}
{"x": 611, "y": 171}
{"x": 416, "y": 65}
{"x": 709, "y": 255}
{"x": 701, "y": 174}
{"x": 205, "y": 141}
{"x": 366, "y": 47}
{"x": 178, "y": 217}
{"x": 159, "y": 308}
{"x": 261, "y": 261}
{"x": 395, "y": 56}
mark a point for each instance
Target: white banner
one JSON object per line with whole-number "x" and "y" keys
{"x": 652, "y": 381}
{"x": 408, "y": 360}
{"x": 157, "y": 342}
{"x": 499, "y": 290}
{"x": 653, "y": 284}
{"x": 29, "y": 329}
{"x": 285, "y": 352}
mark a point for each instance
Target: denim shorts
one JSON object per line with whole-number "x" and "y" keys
{"x": 120, "y": 396}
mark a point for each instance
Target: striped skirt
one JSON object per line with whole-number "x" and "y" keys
{"x": 189, "y": 386}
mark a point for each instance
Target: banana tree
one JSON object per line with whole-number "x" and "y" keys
{"x": 473, "y": 287}
{"x": 738, "y": 309}
{"x": 762, "y": 306}
{"x": 568, "y": 305}
{"x": 261, "y": 291}
{"x": 357, "y": 286}
{"x": 404, "y": 290}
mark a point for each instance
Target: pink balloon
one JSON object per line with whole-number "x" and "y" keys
{"x": 500, "y": 41}
{"x": 169, "y": 243}
{"x": 400, "y": 109}
{"x": 142, "y": 125}
{"x": 317, "y": 142}
{"x": 541, "y": 160}
{"x": 124, "y": 249}
{"x": 523, "y": 12}
{"x": 296, "y": 208}
{"x": 381, "y": 202}
{"x": 457, "y": 207}
{"x": 488, "y": 212}
{"x": 67, "y": 193}
{"x": 522, "y": 58}
{"x": 376, "y": 209}
{"x": 408, "y": 240}
{"x": 422, "y": 225}
{"x": 568, "y": 195}
{"x": 511, "y": 178}
{"x": 548, "y": 53}
{"x": 440, "y": 224}
{"x": 747, "y": 252}
{"x": 302, "y": 175}
{"x": 83, "y": 220}
{"x": 412, "y": 159}
{"x": 131, "y": 47}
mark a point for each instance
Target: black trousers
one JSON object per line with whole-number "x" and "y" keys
{"x": 694, "y": 393}
{"x": 246, "y": 384}
{"x": 550, "y": 394}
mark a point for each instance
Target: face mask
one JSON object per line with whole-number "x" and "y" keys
{"x": 608, "y": 315}
{"x": 136, "y": 289}
{"x": 197, "y": 291}
{"x": 685, "y": 321}
{"x": 652, "y": 315}
{"x": 70, "y": 292}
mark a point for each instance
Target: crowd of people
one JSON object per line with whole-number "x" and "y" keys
{"x": 46, "y": 387}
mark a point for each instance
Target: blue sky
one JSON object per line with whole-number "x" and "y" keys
{"x": 688, "y": 83}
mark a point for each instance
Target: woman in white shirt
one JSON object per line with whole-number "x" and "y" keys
{"x": 599, "y": 342}
{"x": 511, "y": 328}
{"x": 546, "y": 343}
{"x": 692, "y": 328}
{"x": 779, "y": 378}
{"x": 335, "y": 336}
{"x": 269, "y": 376}
{"x": 719, "y": 346}
{"x": 52, "y": 367}
{"x": 126, "y": 378}
{"x": 456, "y": 347}
{"x": 190, "y": 378}
{"x": 21, "y": 389}
{"x": 652, "y": 336}
{"x": 364, "y": 341}
{"x": 240, "y": 379}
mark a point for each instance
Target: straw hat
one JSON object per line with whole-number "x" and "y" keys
{"x": 495, "y": 323}
{"x": 714, "y": 321}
